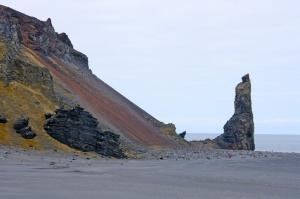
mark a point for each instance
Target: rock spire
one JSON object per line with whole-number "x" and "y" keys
{"x": 239, "y": 130}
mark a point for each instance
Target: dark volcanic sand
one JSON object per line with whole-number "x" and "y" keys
{"x": 33, "y": 175}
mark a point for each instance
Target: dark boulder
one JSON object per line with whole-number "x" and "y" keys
{"x": 21, "y": 127}
{"x": 21, "y": 123}
{"x": 239, "y": 130}
{"x": 182, "y": 135}
{"x": 78, "y": 129}
{"x": 27, "y": 133}
{"x": 3, "y": 119}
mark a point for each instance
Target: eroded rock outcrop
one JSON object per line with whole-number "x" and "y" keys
{"x": 239, "y": 130}
{"x": 78, "y": 129}
{"x": 21, "y": 127}
{"x": 20, "y": 29}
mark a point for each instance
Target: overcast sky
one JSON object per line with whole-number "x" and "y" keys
{"x": 181, "y": 59}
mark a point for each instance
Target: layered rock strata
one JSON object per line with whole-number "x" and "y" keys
{"x": 78, "y": 129}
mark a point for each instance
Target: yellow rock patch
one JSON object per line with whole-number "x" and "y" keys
{"x": 17, "y": 99}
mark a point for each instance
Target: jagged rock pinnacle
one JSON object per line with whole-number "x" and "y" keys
{"x": 239, "y": 130}
{"x": 49, "y": 21}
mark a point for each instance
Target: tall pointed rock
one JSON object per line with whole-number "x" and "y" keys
{"x": 239, "y": 130}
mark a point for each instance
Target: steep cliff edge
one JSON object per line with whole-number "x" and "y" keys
{"x": 239, "y": 130}
{"x": 41, "y": 71}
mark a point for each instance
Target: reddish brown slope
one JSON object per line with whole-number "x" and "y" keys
{"x": 38, "y": 42}
{"x": 106, "y": 104}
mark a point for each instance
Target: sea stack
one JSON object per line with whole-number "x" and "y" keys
{"x": 239, "y": 130}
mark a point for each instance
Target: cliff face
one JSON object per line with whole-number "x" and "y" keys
{"x": 40, "y": 71}
{"x": 20, "y": 29}
{"x": 239, "y": 130}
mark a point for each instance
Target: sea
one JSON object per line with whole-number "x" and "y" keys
{"x": 263, "y": 142}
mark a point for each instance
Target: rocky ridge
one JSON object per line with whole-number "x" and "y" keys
{"x": 20, "y": 29}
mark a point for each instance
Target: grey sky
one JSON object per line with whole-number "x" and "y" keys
{"x": 181, "y": 59}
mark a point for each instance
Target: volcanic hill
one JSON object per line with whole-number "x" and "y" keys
{"x": 40, "y": 71}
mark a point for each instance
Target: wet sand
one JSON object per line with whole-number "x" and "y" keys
{"x": 35, "y": 176}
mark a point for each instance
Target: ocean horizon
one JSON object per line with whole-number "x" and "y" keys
{"x": 263, "y": 142}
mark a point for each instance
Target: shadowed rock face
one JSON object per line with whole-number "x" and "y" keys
{"x": 239, "y": 130}
{"x": 79, "y": 129}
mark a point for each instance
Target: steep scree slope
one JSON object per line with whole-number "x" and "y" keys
{"x": 37, "y": 60}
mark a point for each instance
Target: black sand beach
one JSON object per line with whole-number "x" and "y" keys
{"x": 31, "y": 175}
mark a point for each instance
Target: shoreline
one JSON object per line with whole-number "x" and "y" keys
{"x": 263, "y": 142}
{"x": 9, "y": 153}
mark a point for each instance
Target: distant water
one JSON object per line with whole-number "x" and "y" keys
{"x": 263, "y": 142}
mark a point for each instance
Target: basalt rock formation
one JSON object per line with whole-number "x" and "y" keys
{"x": 79, "y": 129}
{"x": 21, "y": 127}
{"x": 21, "y": 123}
{"x": 40, "y": 71}
{"x": 239, "y": 130}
